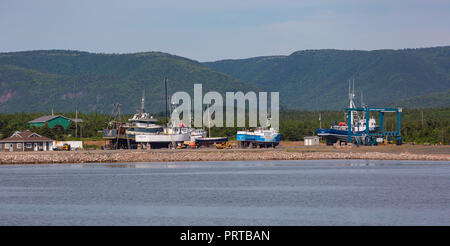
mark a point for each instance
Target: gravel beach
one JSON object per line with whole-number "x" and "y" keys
{"x": 211, "y": 154}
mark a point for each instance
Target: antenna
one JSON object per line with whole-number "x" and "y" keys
{"x": 142, "y": 101}
{"x": 353, "y": 92}
{"x": 349, "y": 90}
{"x": 362, "y": 102}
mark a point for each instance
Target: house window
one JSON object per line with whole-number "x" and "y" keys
{"x": 1, "y": 146}
{"x": 19, "y": 145}
{"x": 28, "y": 145}
{"x": 7, "y": 146}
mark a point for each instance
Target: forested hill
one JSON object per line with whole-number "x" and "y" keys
{"x": 36, "y": 81}
{"x": 318, "y": 79}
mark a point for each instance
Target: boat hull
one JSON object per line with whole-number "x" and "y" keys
{"x": 162, "y": 138}
{"x": 260, "y": 138}
{"x": 331, "y": 135}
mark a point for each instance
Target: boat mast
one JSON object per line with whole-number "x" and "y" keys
{"x": 350, "y": 98}
{"x": 167, "y": 106}
{"x": 351, "y": 95}
{"x": 362, "y": 102}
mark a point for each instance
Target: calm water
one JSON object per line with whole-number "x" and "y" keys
{"x": 227, "y": 193}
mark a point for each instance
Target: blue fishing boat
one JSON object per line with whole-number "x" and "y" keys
{"x": 339, "y": 131}
{"x": 261, "y": 137}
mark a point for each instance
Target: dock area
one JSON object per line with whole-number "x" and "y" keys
{"x": 403, "y": 152}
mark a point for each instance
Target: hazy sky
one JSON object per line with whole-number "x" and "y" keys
{"x": 207, "y": 30}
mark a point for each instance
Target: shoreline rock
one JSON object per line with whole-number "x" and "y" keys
{"x": 202, "y": 155}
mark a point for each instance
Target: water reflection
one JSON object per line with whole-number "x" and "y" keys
{"x": 325, "y": 192}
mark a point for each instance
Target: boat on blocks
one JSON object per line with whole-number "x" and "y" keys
{"x": 259, "y": 138}
{"x": 338, "y": 132}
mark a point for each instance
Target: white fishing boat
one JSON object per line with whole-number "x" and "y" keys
{"x": 170, "y": 136}
{"x": 261, "y": 137}
{"x": 142, "y": 123}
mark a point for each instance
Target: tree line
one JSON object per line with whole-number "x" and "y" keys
{"x": 418, "y": 125}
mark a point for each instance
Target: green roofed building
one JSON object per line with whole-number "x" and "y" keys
{"x": 51, "y": 120}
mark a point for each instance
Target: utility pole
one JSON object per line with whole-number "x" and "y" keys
{"x": 320, "y": 120}
{"x": 76, "y": 122}
{"x": 119, "y": 125}
{"x": 422, "y": 118}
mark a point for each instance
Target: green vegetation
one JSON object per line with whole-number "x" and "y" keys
{"x": 37, "y": 81}
{"x": 294, "y": 125}
{"x": 438, "y": 99}
{"x": 92, "y": 123}
{"x": 435, "y": 127}
{"x": 318, "y": 79}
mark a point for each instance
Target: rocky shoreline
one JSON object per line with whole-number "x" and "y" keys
{"x": 202, "y": 155}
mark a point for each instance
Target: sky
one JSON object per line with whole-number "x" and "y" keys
{"x": 208, "y": 30}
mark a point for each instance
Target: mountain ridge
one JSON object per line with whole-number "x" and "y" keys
{"x": 314, "y": 79}
{"x": 37, "y": 81}
{"x": 95, "y": 81}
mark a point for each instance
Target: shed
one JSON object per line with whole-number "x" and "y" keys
{"x": 311, "y": 140}
{"x": 51, "y": 120}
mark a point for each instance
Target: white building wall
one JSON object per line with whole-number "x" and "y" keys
{"x": 311, "y": 140}
{"x": 73, "y": 144}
